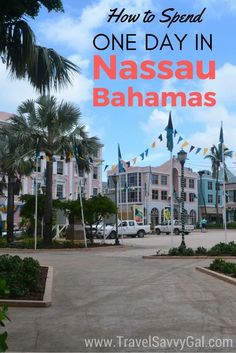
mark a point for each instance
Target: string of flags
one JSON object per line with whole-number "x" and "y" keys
{"x": 67, "y": 159}
{"x": 183, "y": 143}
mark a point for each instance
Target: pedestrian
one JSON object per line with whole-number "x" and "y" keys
{"x": 203, "y": 225}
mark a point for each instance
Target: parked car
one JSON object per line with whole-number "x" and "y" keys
{"x": 165, "y": 227}
{"x": 17, "y": 233}
{"x": 128, "y": 228}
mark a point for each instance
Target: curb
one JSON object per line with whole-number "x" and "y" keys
{"x": 33, "y": 251}
{"x": 47, "y": 298}
{"x": 217, "y": 275}
{"x": 167, "y": 257}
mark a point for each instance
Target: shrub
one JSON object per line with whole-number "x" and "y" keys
{"x": 22, "y": 276}
{"x": 28, "y": 243}
{"x": 3, "y": 315}
{"x": 181, "y": 251}
{"x": 174, "y": 252}
{"x": 223, "y": 249}
{"x": 3, "y": 243}
{"x": 201, "y": 251}
{"x": 186, "y": 251}
{"x": 223, "y": 266}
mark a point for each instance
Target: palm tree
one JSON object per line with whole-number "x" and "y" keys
{"x": 13, "y": 165}
{"x": 201, "y": 173}
{"x": 216, "y": 157}
{"x": 44, "y": 68}
{"x": 56, "y": 130}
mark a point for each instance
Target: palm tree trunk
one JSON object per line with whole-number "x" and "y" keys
{"x": 10, "y": 209}
{"x": 203, "y": 197}
{"x": 47, "y": 231}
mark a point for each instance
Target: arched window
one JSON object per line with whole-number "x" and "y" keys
{"x": 154, "y": 216}
{"x": 193, "y": 217}
{"x": 176, "y": 213}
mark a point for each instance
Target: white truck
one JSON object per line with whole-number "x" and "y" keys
{"x": 128, "y": 228}
{"x": 165, "y": 227}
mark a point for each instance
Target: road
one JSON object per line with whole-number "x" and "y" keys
{"x": 153, "y": 242}
{"x": 111, "y": 292}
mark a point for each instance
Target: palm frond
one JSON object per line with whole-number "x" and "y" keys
{"x": 43, "y": 67}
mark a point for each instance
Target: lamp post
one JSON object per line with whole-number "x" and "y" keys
{"x": 182, "y": 156}
{"x": 12, "y": 187}
{"x": 115, "y": 179}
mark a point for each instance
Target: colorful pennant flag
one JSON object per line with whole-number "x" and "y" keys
{"x": 186, "y": 143}
{"x": 160, "y": 137}
{"x": 206, "y": 149}
{"x": 142, "y": 156}
{"x": 220, "y": 146}
{"x": 134, "y": 160}
{"x": 198, "y": 150}
{"x": 169, "y": 134}
{"x": 191, "y": 148}
{"x": 146, "y": 152}
{"x": 106, "y": 166}
{"x": 175, "y": 133}
{"x": 128, "y": 164}
{"x": 180, "y": 139}
{"x": 153, "y": 145}
{"x": 113, "y": 167}
{"x": 120, "y": 164}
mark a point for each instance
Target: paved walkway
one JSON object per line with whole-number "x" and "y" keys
{"x": 114, "y": 292}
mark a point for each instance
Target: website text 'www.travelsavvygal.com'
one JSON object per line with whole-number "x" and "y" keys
{"x": 160, "y": 343}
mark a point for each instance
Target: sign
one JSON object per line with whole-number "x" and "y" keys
{"x": 167, "y": 214}
{"x": 138, "y": 211}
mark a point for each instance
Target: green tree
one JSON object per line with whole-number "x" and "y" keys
{"x": 95, "y": 209}
{"x": 215, "y": 158}
{"x": 4, "y": 291}
{"x": 27, "y": 211}
{"x": 53, "y": 128}
{"x": 43, "y": 67}
{"x": 13, "y": 165}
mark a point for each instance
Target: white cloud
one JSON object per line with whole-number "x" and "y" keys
{"x": 156, "y": 123}
{"x": 158, "y": 120}
{"x": 13, "y": 92}
{"x": 79, "y": 92}
{"x": 77, "y": 33}
{"x": 201, "y": 125}
{"x": 226, "y": 5}
{"x": 223, "y": 85}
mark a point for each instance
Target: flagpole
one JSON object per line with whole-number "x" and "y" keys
{"x": 36, "y": 206}
{"x": 171, "y": 200}
{"x": 127, "y": 195}
{"x": 120, "y": 191}
{"x": 121, "y": 208}
{"x": 224, "y": 193}
{"x": 82, "y": 215}
{"x": 170, "y": 145}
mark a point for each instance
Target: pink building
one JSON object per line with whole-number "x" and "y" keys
{"x": 148, "y": 188}
{"x": 66, "y": 179}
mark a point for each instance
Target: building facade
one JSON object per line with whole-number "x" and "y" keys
{"x": 207, "y": 187}
{"x": 231, "y": 200}
{"x": 148, "y": 189}
{"x": 66, "y": 179}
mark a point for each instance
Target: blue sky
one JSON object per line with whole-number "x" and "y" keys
{"x": 135, "y": 128}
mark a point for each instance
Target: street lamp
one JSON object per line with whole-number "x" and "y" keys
{"x": 182, "y": 156}
{"x": 115, "y": 179}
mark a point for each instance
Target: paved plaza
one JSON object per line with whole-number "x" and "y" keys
{"x": 113, "y": 292}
